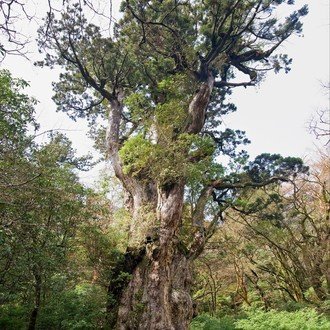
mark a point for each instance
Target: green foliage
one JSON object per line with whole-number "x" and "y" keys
{"x": 304, "y": 319}
{"x": 139, "y": 106}
{"x": 13, "y": 316}
{"x": 169, "y": 162}
{"x": 267, "y": 165}
{"x": 17, "y": 109}
{"x": 257, "y": 319}
{"x": 39, "y": 220}
{"x": 270, "y": 246}
{"x": 137, "y": 154}
{"x": 42, "y": 206}
{"x": 207, "y": 322}
{"x": 99, "y": 248}
{"x": 82, "y": 307}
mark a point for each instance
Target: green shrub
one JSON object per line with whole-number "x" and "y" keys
{"x": 257, "y": 319}
{"x": 207, "y": 322}
{"x": 304, "y": 319}
{"x": 80, "y": 308}
{"x": 13, "y": 317}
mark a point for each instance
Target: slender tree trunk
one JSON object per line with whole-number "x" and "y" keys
{"x": 37, "y": 298}
{"x": 254, "y": 279}
{"x": 316, "y": 282}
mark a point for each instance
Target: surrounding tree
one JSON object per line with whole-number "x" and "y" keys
{"x": 161, "y": 80}
{"x": 13, "y": 41}
{"x": 319, "y": 124}
{"x": 42, "y": 205}
{"x": 272, "y": 249}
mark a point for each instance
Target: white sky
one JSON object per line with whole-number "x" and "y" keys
{"x": 275, "y": 115}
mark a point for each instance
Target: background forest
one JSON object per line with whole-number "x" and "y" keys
{"x": 255, "y": 232}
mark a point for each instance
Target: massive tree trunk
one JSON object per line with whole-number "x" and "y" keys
{"x": 158, "y": 295}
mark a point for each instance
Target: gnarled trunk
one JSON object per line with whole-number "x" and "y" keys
{"x": 158, "y": 294}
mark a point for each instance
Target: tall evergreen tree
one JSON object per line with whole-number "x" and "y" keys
{"x": 161, "y": 80}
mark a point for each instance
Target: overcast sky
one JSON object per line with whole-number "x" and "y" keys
{"x": 275, "y": 115}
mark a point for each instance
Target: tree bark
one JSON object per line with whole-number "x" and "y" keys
{"x": 158, "y": 295}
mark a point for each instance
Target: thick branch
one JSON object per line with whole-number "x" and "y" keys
{"x": 15, "y": 185}
{"x": 198, "y": 214}
{"x": 201, "y": 236}
{"x": 222, "y": 83}
{"x": 143, "y": 22}
{"x": 218, "y": 47}
{"x": 86, "y": 75}
{"x": 112, "y": 137}
{"x": 221, "y": 184}
{"x": 198, "y": 106}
